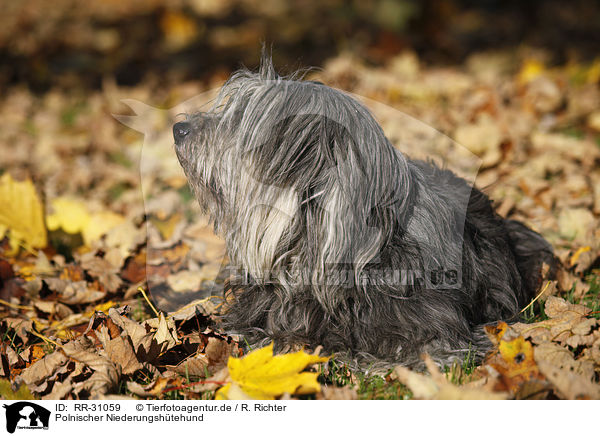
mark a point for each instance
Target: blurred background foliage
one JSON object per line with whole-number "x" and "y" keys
{"x": 77, "y": 43}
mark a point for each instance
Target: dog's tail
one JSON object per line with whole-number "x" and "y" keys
{"x": 531, "y": 252}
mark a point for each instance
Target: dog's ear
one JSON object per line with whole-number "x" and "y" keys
{"x": 354, "y": 196}
{"x": 300, "y": 151}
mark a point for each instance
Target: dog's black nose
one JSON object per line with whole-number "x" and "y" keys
{"x": 181, "y": 130}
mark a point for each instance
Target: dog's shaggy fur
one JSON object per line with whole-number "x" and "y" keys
{"x": 347, "y": 243}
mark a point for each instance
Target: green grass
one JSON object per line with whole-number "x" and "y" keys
{"x": 375, "y": 387}
{"x": 115, "y": 191}
{"x": 186, "y": 193}
{"x": 120, "y": 158}
{"x": 368, "y": 386}
{"x": 573, "y": 132}
{"x": 461, "y": 373}
{"x": 592, "y": 298}
{"x": 69, "y": 115}
{"x": 534, "y": 313}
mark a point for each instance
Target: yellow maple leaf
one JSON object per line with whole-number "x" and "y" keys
{"x": 530, "y": 70}
{"x": 21, "y": 214}
{"x": 593, "y": 72}
{"x": 102, "y": 307}
{"x": 72, "y": 216}
{"x": 578, "y": 253}
{"x": 69, "y": 214}
{"x": 99, "y": 224}
{"x": 262, "y": 376}
{"x": 178, "y": 29}
{"x": 518, "y": 357}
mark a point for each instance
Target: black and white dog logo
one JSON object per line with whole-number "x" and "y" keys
{"x": 26, "y": 415}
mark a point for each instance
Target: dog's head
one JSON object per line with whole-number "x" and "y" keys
{"x": 290, "y": 168}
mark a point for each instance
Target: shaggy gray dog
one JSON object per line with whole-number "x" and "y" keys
{"x": 340, "y": 240}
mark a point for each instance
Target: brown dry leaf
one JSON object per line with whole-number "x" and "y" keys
{"x": 149, "y": 339}
{"x": 105, "y": 376}
{"x": 217, "y": 352}
{"x": 205, "y": 307}
{"x": 337, "y": 393}
{"x": 436, "y": 386}
{"x": 562, "y": 358}
{"x": 595, "y": 180}
{"x": 45, "y": 306}
{"x": 153, "y": 389}
{"x": 563, "y": 316}
{"x": 4, "y": 364}
{"x": 576, "y": 224}
{"x": 186, "y": 280}
{"x": 193, "y": 366}
{"x": 206, "y": 246}
{"x": 135, "y": 268}
{"x": 119, "y": 351}
{"x": 173, "y": 255}
{"x": 558, "y": 308}
{"x": 36, "y": 374}
{"x": 583, "y": 259}
{"x": 141, "y": 336}
{"x": 543, "y": 95}
{"x": 215, "y": 382}
{"x": 482, "y": 138}
{"x": 125, "y": 237}
{"x": 74, "y": 292}
{"x": 166, "y": 334}
{"x": 9, "y": 359}
{"x": 569, "y": 385}
{"x": 593, "y": 353}
{"x": 565, "y": 279}
{"x": 101, "y": 269}
{"x": 210, "y": 353}
{"x": 422, "y": 386}
{"x": 582, "y": 333}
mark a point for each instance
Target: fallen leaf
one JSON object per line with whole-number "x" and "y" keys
{"x": 514, "y": 363}
{"x": 22, "y": 214}
{"x": 119, "y": 351}
{"x": 193, "y": 366}
{"x": 262, "y": 376}
{"x": 68, "y": 214}
{"x": 338, "y": 393}
{"x": 100, "y": 223}
{"x": 575, "y": 224}
{"x": 482, "y": 138}
{"x": 73, "y": 216}
{"x": 530, "y": 70}
{"x": 436, "y": 386}
{"x": 570, "y": 385}
{"x": 7, "y": 393}
{"x": 166, "y": 336}
{"x": 105, "y": 375}
{"x": 43, "y": 369}
{"x": 153, "y": 389}
{"x": 71, "y": 293}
